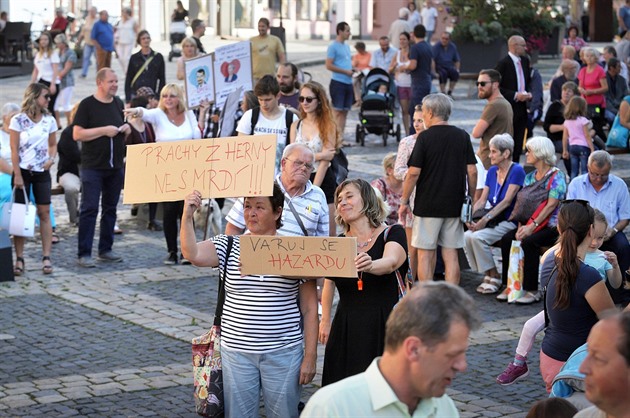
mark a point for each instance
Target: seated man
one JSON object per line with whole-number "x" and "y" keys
{"x": 447, "y": 62}
{"x": 617, "y": 89}
{"x": 609, "y": 194}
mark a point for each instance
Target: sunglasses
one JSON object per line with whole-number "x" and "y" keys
{"x": 169, "y": 96}
{"x": 483, "y": 83}
{"x": 306, "y": 99}
{"x": 48, "y": 96}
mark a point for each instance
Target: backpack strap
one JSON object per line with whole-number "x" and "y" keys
{"x": 255, "y": 115}
{"x": 288, "y": 116}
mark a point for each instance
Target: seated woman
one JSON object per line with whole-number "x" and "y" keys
{"x": 390, "y": 188}
{"x": 503, "y": 181}
{"x": 358, "y": 329}
{"x": 264, "y": 345}
{"x": 536, "y": 232}
{"x": 576, "y": 295}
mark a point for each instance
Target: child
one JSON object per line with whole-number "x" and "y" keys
{"x": 576, "y": 139}
{"x": 607, "y": 266}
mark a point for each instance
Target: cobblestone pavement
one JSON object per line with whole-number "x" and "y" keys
{"x": 114, "y": 341}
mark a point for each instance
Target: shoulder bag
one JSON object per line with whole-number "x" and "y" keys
{"x": 404, "y": 284}
{"x": 206, "y": 358}
{"x": 530, "y": 200}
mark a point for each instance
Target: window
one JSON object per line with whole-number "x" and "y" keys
{"x": 243, "y": 13}
{"x": 323, "y": 7}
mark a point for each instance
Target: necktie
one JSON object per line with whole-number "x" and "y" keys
{"x": 520, "y": 76}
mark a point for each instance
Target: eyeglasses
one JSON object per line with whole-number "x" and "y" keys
{"x": 169, "y": 96}
{"x": 308, "y": 99}
{"x": 597, "y": 175}
{"x": 483, "y": 83}
{"x": 300, "y": 164}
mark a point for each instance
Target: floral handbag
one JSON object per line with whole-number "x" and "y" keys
{"x": 206, "y": 359}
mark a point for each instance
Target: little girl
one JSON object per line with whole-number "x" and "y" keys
{"x": 576, "y": 138}
{"x": 607, "y": 266}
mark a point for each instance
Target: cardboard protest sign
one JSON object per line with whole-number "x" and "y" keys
{"x": 217, "y": 167}
{"x": 232, "y": 69}
{"x": 199, "y": 80}
{"x": 298, "y": 256}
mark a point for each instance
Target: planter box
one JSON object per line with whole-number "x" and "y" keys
{"x": 477, "y": 56}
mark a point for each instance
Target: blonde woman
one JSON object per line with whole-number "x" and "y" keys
{"x": 171, "y": 122}
{"x": 317, "y": 130}
{"x": 390, "y": 188}
{"x": 46, "y": 68}
{"x": 33, "y": 151}
{"x": 189, "y": 50}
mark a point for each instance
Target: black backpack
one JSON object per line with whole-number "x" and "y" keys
{"x": 288, "y": 116}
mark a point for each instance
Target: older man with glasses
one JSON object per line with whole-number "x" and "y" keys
{"x": 305, "y": 210}
{"x": 609, "y": 194}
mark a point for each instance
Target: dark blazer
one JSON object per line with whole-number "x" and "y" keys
{"x": 509, "y": 82}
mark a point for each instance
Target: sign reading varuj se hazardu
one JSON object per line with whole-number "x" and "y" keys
{"x": 217, "y": 167}
{"x": 298, "y": 256}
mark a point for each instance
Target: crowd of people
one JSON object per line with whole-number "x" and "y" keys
{"x": 384, "y": 345}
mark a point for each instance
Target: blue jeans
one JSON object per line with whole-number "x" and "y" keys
{"x": 95, "y": 182}
{"x": 277, "y": 373}
{"x": 88, "y": 51}
{"x": 579, "y": 159}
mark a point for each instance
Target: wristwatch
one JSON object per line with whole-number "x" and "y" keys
{"x": 615, "y": 229}
{"x": 488, "y": 216}
{"x": 534, "y": 222}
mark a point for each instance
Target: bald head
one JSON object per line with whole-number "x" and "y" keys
{"x": 517, "y": 45}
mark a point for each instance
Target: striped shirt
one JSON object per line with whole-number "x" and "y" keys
{"x": 260, "y": 313}
{"x": 310, "y": 205}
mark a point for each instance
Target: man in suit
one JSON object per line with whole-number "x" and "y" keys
{"x": 514, "y": 86}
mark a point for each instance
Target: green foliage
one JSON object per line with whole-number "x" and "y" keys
{"x": 487, "y": 20}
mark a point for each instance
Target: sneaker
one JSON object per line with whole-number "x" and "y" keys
{"x": 134, "y": 210}
{"x": 154, "y": 226}
{"x": 184, "y": 261}
{"x": 86, "y": 262}
{"x": 117, "y": 230}
{"x": 109, "y": 257}
{"x": 513, "y": 373}
{"x": 171, "y": 259}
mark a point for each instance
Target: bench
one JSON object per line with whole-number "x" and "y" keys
{"x": 57, "y": 190}
{"x": 615, "y": 150}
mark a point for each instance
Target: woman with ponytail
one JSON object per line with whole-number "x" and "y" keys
{"x": 576, "y": 295}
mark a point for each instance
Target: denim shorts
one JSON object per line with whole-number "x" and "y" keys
{"x": 341, "y": 95}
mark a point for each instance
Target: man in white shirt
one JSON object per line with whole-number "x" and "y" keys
{"x": 399, "y": 26}
{"x": 429, "y": 16}
{"x": 426, "y": 338}
{"x": 382, "y": 57}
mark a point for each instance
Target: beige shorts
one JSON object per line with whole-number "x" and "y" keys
{"x": 428, "y": 233}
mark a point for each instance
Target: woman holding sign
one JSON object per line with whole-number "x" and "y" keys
{"x": 358, "y": 329}
{"x": 261, "y": 336}
{"x": 171, "y": 122}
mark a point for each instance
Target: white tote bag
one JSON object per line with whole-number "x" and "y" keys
{"x": 18, "y": 218}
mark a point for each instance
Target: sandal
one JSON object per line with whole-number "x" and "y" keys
{"x": 492, "y": 286}
{"x": 18, "y": 271}
{"x": 46, "y": 268}
{"x": 55, "y": 238}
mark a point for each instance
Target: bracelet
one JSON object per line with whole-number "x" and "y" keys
{"x": 488, "y": 216}
{"x": 404, "y": 201}
{"x": 534, "y": 222}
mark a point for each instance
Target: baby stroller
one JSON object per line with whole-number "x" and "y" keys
{"x": 376, "y": 115}
{"x": 177, "y": 35}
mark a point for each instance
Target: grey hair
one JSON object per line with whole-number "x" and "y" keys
{"x": 600, "y": 158}
{"x": 543, "y": 149}
{"x": 439, "y": 104}
{"x": 570, "y": 68}
{"x": 591, "y": 51}
{"x": 428, "y": 312}
{"x": 9, "y": 108}
{"x": 289, "y": 149}
{"x": 503, "y": 142}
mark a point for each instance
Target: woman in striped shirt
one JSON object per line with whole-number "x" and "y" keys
{"x": 262, "y": 346}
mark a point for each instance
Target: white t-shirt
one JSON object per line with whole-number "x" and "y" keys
{"x": 33, "y": 150}
{"x": 124, "y": 32}
{"x": 44, "y": 64}
{"x": 165, "y": 130}
{"x": 429, "y": 17}
{"x": 5, "y": 147}
{"x": 266, "y": 126}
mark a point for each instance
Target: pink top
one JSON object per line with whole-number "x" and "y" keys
{"x": 590, "y": 81}
{"x": 575, "y": 128}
